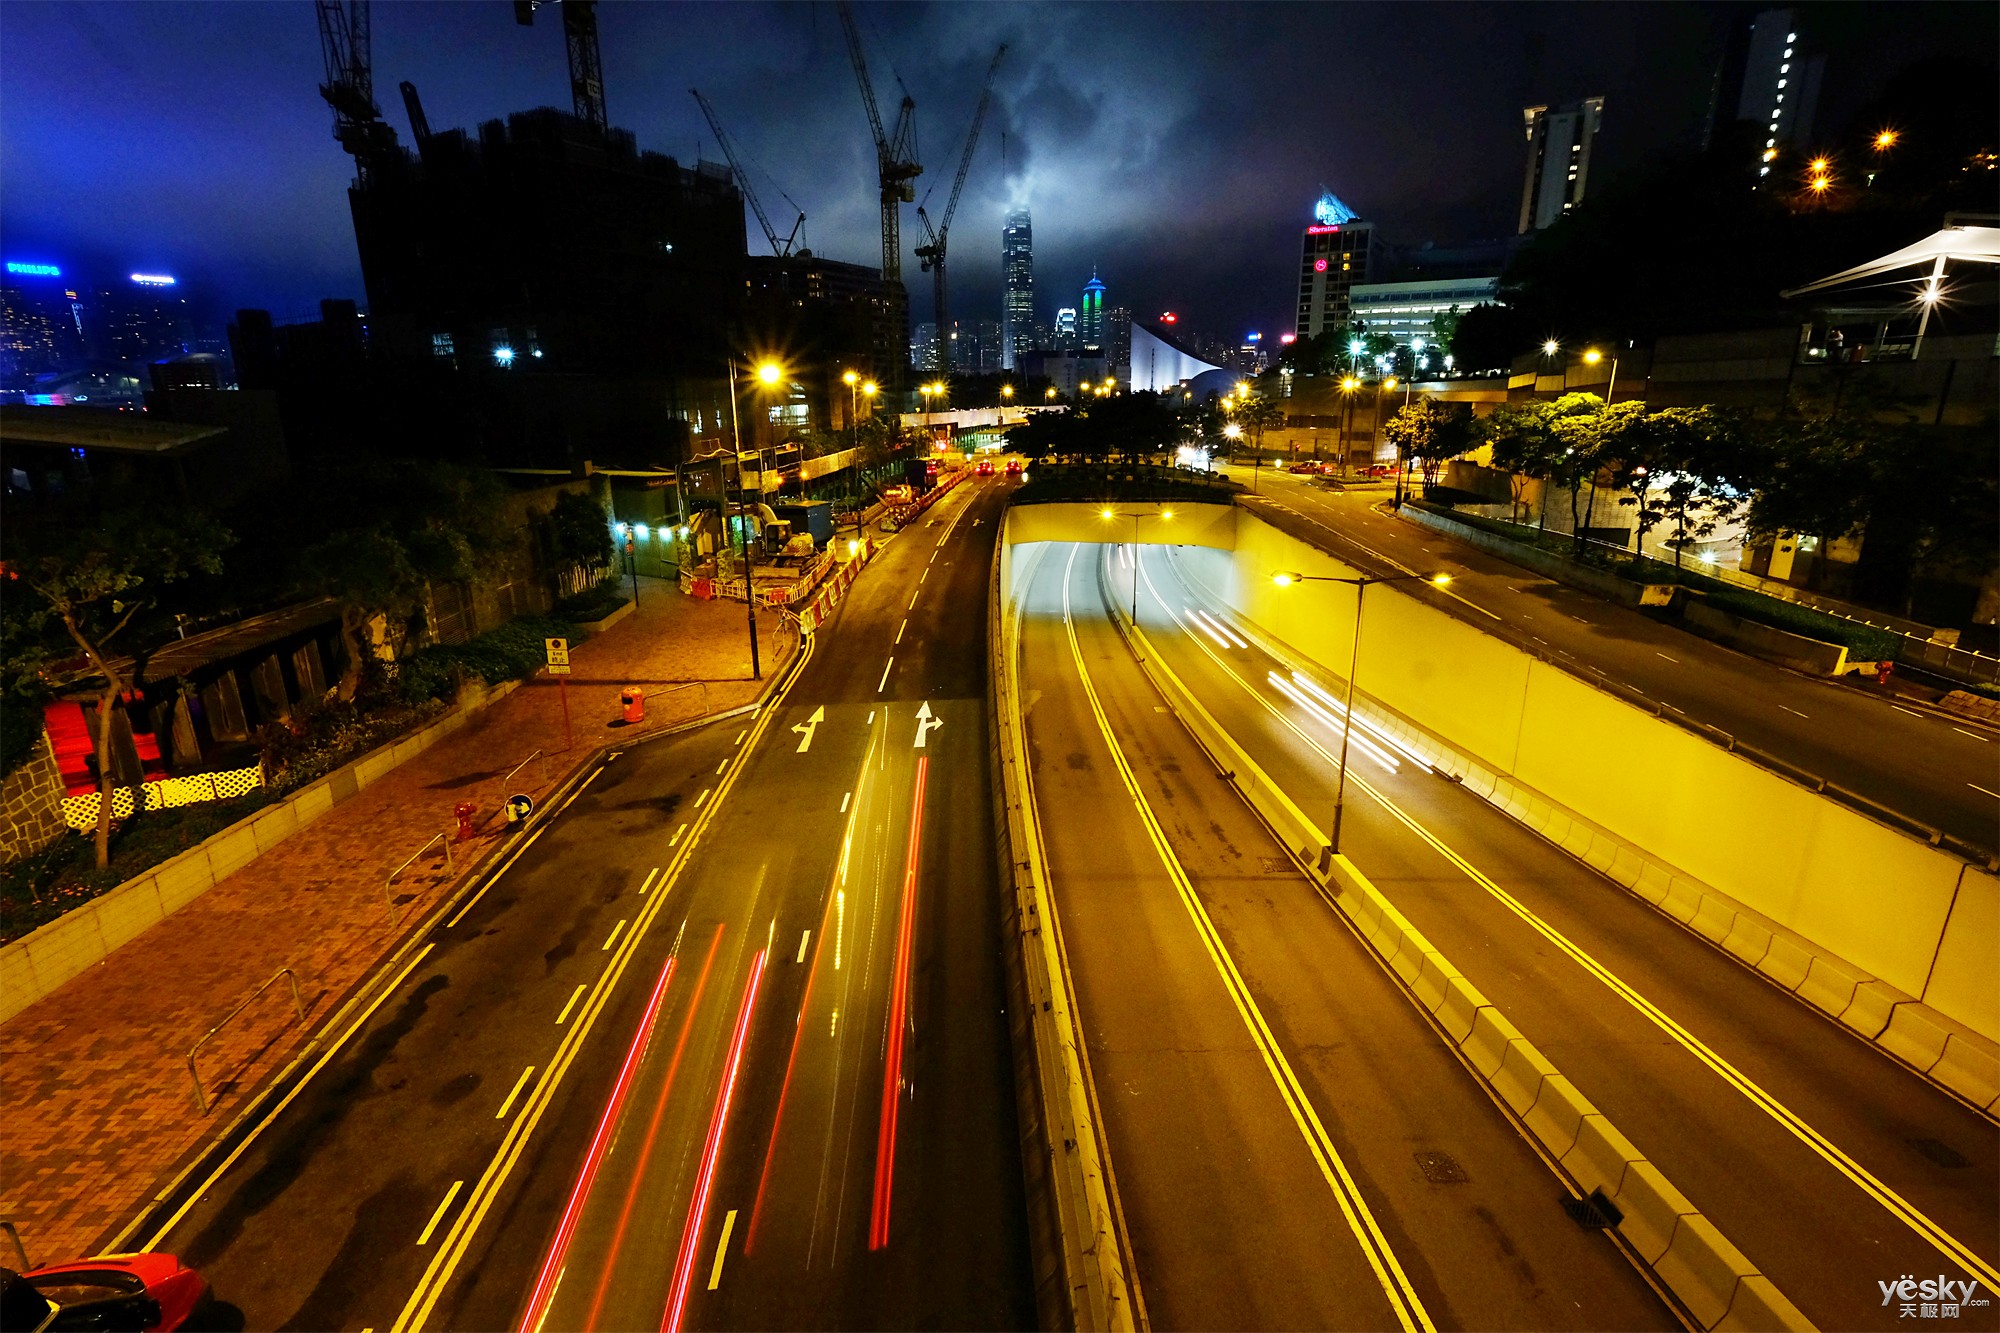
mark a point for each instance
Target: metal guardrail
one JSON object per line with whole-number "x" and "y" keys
{"x": 1974, "y": 853}
{"x": 544, "y": 771}
{"x": 389, "y": 902}
{"x": 14, "y": 1238}
{"x": 298, "y": 1003}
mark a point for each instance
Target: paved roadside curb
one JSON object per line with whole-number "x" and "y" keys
{"x": 1714, "y": 1283}
{"x": 211, "y": 1154}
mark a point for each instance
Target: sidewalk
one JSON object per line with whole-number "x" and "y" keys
{"x": 94, "y": 1087}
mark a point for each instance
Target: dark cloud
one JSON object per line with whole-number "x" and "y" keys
{"x": 1176, "y": 148}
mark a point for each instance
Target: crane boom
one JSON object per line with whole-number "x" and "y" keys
{"x": 586, "y": 60}
{"x": 895, "y": 154}
{"x": 778, "y": 248}
{"x": 931, "y": 254}
{"x": 420, "y": 124}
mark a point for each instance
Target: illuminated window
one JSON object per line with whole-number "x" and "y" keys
{"x": 1781, "y": 83}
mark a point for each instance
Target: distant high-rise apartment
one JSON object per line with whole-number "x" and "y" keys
{"x": 1780, "y": 89}
{"x": 1090, "y": 322}
{"x": 1118, "y": 342}
{"x": 1559, "y": 141}
{"x": 1017, "y": 281}
{"x": 987, "y": 335}
{"x": 1338, "y": 250}
{"x": 1066, "y": 326}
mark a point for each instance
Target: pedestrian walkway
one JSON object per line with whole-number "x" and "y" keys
{"x": 95, "y": 1094}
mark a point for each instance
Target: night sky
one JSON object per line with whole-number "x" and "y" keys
{"x": 1178, "y": 148}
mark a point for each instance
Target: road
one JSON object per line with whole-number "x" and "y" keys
{"x": 1826, "y": 1162}
{"x": 1936, "y": 771}
{"x": 723, "y": 1047}
{"x": 1292, "y": 1144}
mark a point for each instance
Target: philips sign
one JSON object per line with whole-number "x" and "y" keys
{"x": 34, "y": 270}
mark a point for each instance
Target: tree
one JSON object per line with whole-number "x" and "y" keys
{"x": 1596, "y": 438}
{"x": 1257, "y": 414}
{"x": 1431, "y": 432}
{"x": 97, "y": 571}
{"x": 1525, "y": 445}
{"x": 1688, "y": 453}
{"x": 392, "y": 531}
{"x": 582, "y": 539}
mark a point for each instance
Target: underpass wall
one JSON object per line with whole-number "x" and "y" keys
{"x": 1193, "y": 524}
{"x": 1908, "y": 914}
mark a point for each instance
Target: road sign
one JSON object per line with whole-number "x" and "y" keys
{"x": 558, "y": 650}
{"x": 519, "y": 806}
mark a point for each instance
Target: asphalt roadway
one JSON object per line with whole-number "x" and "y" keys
{"x": 1831, "y": 1166}
{"x": 721, "y": 1047}
{"x": 1293, "y": 1145}
{"x": 1935, "y": 770}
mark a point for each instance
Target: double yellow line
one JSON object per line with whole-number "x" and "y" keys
{"x": 1396, "y": 1285}
{"x": 430, "y": 1287}
{"x": 1899, "y": 1207}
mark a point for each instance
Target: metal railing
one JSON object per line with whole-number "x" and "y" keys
{"x": 388, "y": 900}
{"x": 701, "y": 685}
{"x": 298, "y": 1003}
{"x": 542, "y": 774}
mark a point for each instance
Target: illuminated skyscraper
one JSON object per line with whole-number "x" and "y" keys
{"x": 1337, "y": 251}
{"x": 1017, "y": 281}
{"x": 1090, "y": 325}
{"x": 1066, "y": 327}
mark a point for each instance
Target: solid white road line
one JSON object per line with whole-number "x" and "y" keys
{"x": 508, "y": 1105}
{"x": 438, "y": 1216}
{"x": 675, "y": 840}
{"x": 886, "y": 665}
{"x": 615, "y": 932}
{"x": 1976, "y": 787}
{"x": 574, "y": 996}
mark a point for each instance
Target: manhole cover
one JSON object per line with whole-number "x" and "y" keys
{"x": 1440, "y": 1169}
{"x": 1276, "y": 865}
{"x": 1943, "y": 1154}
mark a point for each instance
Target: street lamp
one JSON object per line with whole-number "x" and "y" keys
{"x": 769, "y": 373}
{"x": 1007, "y": 392}
{"x": 1050, "y": 393}
{"x": 1109, "y": 514}
{"x": 1591, "y": 358}
{"x": 1360, "y": 586}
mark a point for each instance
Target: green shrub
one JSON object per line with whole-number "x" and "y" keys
{"x": 511, "y": 652}
{"x": 322, "y": 735}
{"x": 40, "y": 888}
{"x": 1864, "y": 643}
{"x": 593, "y": 603}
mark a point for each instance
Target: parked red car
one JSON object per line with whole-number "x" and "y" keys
{"x": 137, "y": 1292}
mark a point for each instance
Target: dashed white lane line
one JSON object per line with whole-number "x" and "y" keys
{"x": 720, "y": 767}
{"x": 921, "y": 577}
{"x": 1976, "y": 787}
{"x": 802, "y": 946}
{"x": 913, "y": 600}
{"x": 700, "y": 800}
{"x": 574, "y": 996}
{"x": 739, "y": 737}
{"x": 885, "y": 674}
{"x": 900, "y": 628}
{"x": 616, "y": 931}
{"x": 675, "y": 840}
{"x": 1911, "y": 711}
{"x": 845, "y": 797}
{"x": 514, "y": 1092}
{"x": 871, "y": 717}
{"x": 649, "y": 881}
{"x": 1675, "y": 660}
{"x": 1975, "y": 735}
{"x": 442, "y": 1208}
{"x": 1795, "y": 712}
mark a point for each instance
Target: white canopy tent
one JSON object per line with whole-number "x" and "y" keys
{"x": 1979, "y": 245}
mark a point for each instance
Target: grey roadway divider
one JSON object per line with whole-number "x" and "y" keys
{"x": 1943, "y": 1050}
{"x": 1715, "y": 1283}
{"x": 1079, "y": 1251}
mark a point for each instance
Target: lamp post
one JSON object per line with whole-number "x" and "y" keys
{"x": 1347, "y": 388}
{"x": 770, "y": 373}
{"x": 1109, "y": 514}
{"x": 1360, "y": 586}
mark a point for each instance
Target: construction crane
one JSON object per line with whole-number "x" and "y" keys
{"x": 420, "y": 124}
{"x": 586, "y": 62}
{"x": 932, "y": 252}
{"x": 350, "y": 84}
{"x": 782, "y": 249}
{"x": 895, "y": 155}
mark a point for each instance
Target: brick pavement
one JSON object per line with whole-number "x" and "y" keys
{"x": 95, "y": 1100}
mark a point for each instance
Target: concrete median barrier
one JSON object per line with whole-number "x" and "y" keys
{"x": 1703, "y": 1269}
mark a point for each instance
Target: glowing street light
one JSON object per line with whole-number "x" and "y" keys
{"x": 1886, "y": 139}
{"x": 1551, "y": 347}
{"x": 1007, "y": 392}
{"x": 770, "y": 372}
{"x": 1050, "y": 394}
{"x": 1285, "y": 579}
{"x": 1109, "y": 514}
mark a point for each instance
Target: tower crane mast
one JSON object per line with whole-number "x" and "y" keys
{"x": 350, "y": 84}
{"x": 895, "y": 153}
{"x": 931, "y": 254}
{"x": 586, "y": 60}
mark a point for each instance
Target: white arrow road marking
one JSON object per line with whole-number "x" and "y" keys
{"x": 807, "y": 727}
{"x": 926, "y": 723}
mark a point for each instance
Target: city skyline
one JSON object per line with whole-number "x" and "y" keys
{"x": 1088, "y": 128}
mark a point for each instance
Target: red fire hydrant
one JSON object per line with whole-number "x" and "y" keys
{"x": 463, "y": 811}
{"x": 1883, "y": 670}
{"x": 634, "y": 701}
